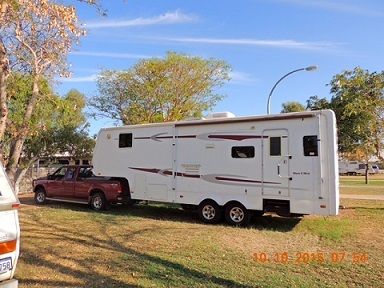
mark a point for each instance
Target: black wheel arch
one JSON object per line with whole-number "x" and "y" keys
{"x": 39, "y": 187}
{"x": 207, "y": 200}
{"x": 95, "y": 191}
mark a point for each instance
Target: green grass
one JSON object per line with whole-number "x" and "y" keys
{"x": 356, "y": 185}
{"x": 67, "y": 245}
{"x": 330, "y": 228}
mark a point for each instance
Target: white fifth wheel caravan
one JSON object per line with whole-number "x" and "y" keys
{"x": 284, "y": 163}
{"x": 356, "y": 168}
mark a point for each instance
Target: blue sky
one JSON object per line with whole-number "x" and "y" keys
{"x": 261, "y": 39}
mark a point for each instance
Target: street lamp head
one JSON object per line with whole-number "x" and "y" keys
{"x": 311, "y": 68}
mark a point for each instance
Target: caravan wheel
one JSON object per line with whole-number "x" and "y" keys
{"x": 209, "y": 212}
{"x": 236, "y": 214}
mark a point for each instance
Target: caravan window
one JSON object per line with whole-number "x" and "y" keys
{"x": 243, "y": 152}
{"x": 275, "y": 146}
{"x": 125, "y": 140}
{"x": 310, "y": 144}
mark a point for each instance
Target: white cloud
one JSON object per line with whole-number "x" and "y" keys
{"x": 110, "y": 55}
{"x": 175, "y": 17}
{"x": 290, "y": 44}
{"x": 338, "y": 6}
{"x": 90, "y": 78}
{"x": 238, "y": 77}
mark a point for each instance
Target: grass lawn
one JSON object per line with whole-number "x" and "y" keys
{"x": 356, "y": 185}
{"x": 68, "y": 245}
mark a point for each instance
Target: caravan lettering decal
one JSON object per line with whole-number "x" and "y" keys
{"x": 205, "y": 136}
{"x": 213, "y": 178}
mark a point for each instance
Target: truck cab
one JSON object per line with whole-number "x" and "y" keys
{"x": 9, "y": 232}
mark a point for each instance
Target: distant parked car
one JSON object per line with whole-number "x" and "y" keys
{"x": 78, "y": 184}
{"x": 9, "y": 232}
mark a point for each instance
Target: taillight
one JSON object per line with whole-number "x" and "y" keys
{"x": 7, "y": 247}
{"x": 15, "y": 205}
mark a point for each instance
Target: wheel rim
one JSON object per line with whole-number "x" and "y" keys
{"x": 40, "y": 197}
{"x": 209, "y": 212}
{"x": 236, "y": 214}
{"x": 97, "y": 202}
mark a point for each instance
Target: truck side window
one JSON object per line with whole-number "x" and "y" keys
{"x": 59, "y": 174}
{"x": 310, "y": 144}
{"x": 125, "y": 140}
{"x": 243, "y": 152}
{"x": 70, "y": 173}
{"x": 275, "y": 146}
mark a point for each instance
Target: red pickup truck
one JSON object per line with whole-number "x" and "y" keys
{"x": 77, "y": 184}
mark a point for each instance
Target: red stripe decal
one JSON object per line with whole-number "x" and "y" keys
{"x": 243, "y": 180}
{"x": 236, "y": 137}
{"x": 146, "y": 170}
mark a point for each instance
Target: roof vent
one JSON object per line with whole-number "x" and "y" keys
{"x": 216, "y": 115}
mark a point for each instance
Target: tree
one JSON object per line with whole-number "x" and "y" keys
{"x": 41, "y": 35}
{"x": 316, "y": 103}
{"x": 292, "y": 107}
{"x": 156, "y": 90}
{"x": 14, "y": 15}
{"x": 358, "y": 102}
{"x": 57, "y": 124}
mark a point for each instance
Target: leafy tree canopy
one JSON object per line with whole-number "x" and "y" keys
{"x": 160, "y": 89}
{"x": 57, "y": 124}
{"x": 292, "y": 107}
{"x": 358, "y": 102}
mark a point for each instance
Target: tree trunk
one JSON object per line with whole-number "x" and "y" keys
{"x": 19, "y": 177}
{"x": 3, "y": 102}
{"x": 17, "y": 147}
{"x": 366, "y": 172}
{"x": 4, "y": 73}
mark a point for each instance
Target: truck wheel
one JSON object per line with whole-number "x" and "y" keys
{"x": 98, "y": 202}
{"x": 209, "y": 212}
{"x": 40, "y": 196}
{"x": 236, "y": 214}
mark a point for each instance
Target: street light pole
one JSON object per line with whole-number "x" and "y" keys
{"x": 309, "y": 68}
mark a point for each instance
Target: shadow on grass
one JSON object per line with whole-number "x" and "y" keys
{"x": 274, "y": 223}
{"x": 96, "y": 270}
{"x": 173, "y": 212}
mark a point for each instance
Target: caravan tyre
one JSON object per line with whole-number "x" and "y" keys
{"x": 236, "y": 214}
{"x": 209, "y": 212}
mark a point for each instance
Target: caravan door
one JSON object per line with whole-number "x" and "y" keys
{"x": 275, "y": 163}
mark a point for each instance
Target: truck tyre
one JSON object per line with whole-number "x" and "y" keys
{"x": 98, "y": 202}
{"x": 236, "y": 214}
{"x": 209, "y": 212}
{"x": 40, "y": 196}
